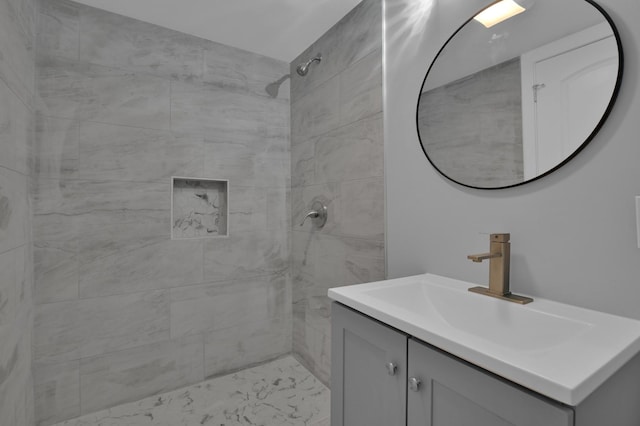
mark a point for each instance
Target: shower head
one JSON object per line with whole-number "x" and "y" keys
{"x": 303, "y": 69}
{"x": 272, "y": 88}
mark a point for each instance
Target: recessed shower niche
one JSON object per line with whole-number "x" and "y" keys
{"x": 199, "y": 208}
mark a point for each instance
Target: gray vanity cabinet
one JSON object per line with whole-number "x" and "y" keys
{"x": 454, "y": 393}
{"x": 383, "y": 377}
{"x": 368, "y": 372}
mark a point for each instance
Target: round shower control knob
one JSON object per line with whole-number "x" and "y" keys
{"x": 414, "y": 384}
{"x": 392, "y": 368}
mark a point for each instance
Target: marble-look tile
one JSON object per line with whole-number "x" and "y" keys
{"x": 14, "y": 209}
{"x": 245, "y": 255}
{"x": 351, "y": 152}
{"x": 72, "y": 330}
{"x": 257, "y": 156}
{"x": 362, "y": 208}
{"x": 351, "y": 39}
{"x": 211, "y": 307}
{"x": 58, "y": 31}
{"x": 8, "y": 287}
{"x": 120, "y": 265}
{"x": 97, "y": 93}
{"x": 17, "y": 40}
{"x": 235, "y": 69}
{"x": 247, "y": 209}
{"x": 56, "y": 148}
{"x": 279, "y": 393}
{"x": 303, "y": 163}
{"x": 118, "y": 41}
{"x": 317, "y": 112}
{"x": 208, "y": 109}
{"x": 235, "y": 347}
{"x": 361, "y": 88}
{"x": 336, "y": 260}
{"x": 279, "y": 210}
{"x": 64, "y": 210}
{"x": 129, "y": 375}
{"x": 57, "y": 395}
{"x": 314, "y": 349}
{"x": 15, "y": 131}
{"x": 15, "y": 374}
{"x": 109, "y": 152}
{"x": 56, "y": 271}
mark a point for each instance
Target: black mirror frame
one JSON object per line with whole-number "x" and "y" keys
{"x": 596, "y": 129}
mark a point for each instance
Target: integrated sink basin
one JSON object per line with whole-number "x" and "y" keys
{"x": 555, "y": 349}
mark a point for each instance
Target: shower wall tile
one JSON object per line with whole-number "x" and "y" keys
{"x": 119, "y": 266}
{"x": 360, "y": 89}
{"x": 351, "y": 152}
{"x": 56, "y": 271}
{"x": 56, "y": 148}
{"x": 212, "y": 307}
{"x": 67, "y": 331}
{"x": 208, "y": 109}
{"x": 236, "y": 347}
{"x": 57, "y": 394}
{"x": 355, "y": 207}
{"x": 16, "y": 392}
{"x": 238, "y": 70}
{"x": 279, "y": 210}
{"x": 58, "y": 28}
{"x": 15, "y": 131}
{"x": 244, "y": 256}
{"x": 317, "y": 112}
{"x": 337, "y": 158}
{"x": 247, "y": 208}
{"x": 17, "y": 37}
{"x": 356, "y": 35}
{"x": 117, "y": 41}
{"x": 82, "y": 91}
{"x": 125, "y": 376}
{"x": 303, "y": 164}
{"x": 251, "y": 158}
{"x": 122, "y": 106}
{"x": 14, "y": 210}
{"x": 109, "y": 152}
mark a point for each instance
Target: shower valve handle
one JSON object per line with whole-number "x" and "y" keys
{"x": 318, "y": 214}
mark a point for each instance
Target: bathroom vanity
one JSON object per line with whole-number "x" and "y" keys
{"x": 424, "y": 351}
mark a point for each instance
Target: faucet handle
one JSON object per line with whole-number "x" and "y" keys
{"x": 500, "y": 238}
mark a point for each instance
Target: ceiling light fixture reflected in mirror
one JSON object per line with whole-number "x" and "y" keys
{"x": 498, "y": 12}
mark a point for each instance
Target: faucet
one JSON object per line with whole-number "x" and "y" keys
{"x": 499, "y": 257}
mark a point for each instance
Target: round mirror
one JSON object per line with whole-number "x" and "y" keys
{"x": 518, "y": 90}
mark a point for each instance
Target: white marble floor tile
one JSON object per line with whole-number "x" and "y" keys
{"x": 278, "y": 393}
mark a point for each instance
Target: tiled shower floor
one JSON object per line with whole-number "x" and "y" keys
{"x": 279, "y": 393}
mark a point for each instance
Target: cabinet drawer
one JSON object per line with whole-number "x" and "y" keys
{"x": 454, "y": 393}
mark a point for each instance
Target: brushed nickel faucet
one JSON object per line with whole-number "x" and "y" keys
{"x": 499, "y": 262}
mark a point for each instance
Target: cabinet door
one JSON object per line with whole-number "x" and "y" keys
{"x": 365, "y": 391}
{"x": 454, "y": 393}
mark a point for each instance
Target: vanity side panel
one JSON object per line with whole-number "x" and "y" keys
{"x": 453, "y": 392}
{"x": 616, "y": 402}
{"x": 363, "y": 392}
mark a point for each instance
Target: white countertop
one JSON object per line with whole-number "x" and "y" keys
{"x": 558, "y": 350}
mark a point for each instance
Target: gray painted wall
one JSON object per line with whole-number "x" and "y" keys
{"x": 573, "y": 232}
{"x": 17, "y": 71}
{"x": 123, "y": 312}
{"x": 337, "y": 157}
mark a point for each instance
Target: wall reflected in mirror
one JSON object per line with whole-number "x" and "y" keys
{"x": 504, "y": 105}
